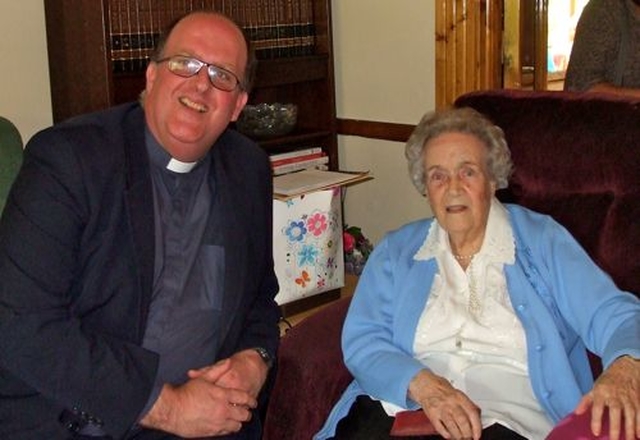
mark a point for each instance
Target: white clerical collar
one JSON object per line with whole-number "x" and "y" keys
{"x": 180, "y": 167}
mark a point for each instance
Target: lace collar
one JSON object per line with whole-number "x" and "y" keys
{"x": 498, "y": 246}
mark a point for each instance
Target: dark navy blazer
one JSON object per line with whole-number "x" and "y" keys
{"x": 76, "y": 270}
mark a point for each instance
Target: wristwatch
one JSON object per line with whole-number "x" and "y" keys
{"x": 264, "y": 355}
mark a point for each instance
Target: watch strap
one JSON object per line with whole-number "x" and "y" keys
{"x": 264, "y": 355}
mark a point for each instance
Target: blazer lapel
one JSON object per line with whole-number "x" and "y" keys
{"x": 139, "y": 202}
{"x": 227, "y": 228}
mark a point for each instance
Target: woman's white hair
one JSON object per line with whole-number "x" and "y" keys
{"x": 459, "y": 120}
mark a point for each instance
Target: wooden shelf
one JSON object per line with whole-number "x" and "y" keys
{"x": 285, "y": 71}
{"x": 296, "y": 138}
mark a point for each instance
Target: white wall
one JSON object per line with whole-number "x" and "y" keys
{"x": 385, "y": 71}
{"x": 25, "y": 96}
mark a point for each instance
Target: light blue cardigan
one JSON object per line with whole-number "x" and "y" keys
{"x": 564, "y": 301}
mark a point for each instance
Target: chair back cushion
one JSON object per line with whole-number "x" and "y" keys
{"x": 10, "y": 157}
{"x": 577, "y": 158}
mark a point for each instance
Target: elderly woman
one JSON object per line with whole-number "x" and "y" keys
{"x": 481, "y": 317}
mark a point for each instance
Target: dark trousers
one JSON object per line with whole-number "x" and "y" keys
{"x": 368, "y": 421}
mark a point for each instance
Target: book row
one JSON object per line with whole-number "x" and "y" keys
{"x": 277, "y": 28}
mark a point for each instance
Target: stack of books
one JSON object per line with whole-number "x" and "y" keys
{"x": 277, "y": 28}
{"x": 302, "y": 159}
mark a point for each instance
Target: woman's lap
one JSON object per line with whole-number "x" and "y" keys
{"x": 367, "y": 420}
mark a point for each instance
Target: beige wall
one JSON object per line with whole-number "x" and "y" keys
{"x": 385, "y": 71}
{"x": 24, "y": 85}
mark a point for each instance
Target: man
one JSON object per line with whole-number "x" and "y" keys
{"x": 137, "y": 284}
{"x": 606, "y": 51}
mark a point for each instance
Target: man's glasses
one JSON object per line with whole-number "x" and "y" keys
{"x": 187, "y": 67}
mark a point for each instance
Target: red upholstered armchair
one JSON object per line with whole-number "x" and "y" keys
{"x": 577, "y": 158}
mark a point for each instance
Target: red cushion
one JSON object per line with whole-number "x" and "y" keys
{"x": 574, "y": 427}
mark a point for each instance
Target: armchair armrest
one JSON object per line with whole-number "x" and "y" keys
{"x": 311, "y": 375}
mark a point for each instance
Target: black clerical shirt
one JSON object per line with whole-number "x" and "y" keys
{"x": 183, "y": 322}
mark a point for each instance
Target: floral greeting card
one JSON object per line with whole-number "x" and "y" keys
{"x": 307, "y": 243}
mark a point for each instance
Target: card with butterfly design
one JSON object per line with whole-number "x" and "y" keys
{"x": 307, "y": 244}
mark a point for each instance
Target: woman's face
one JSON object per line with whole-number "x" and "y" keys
{"x": 459, "y": 187}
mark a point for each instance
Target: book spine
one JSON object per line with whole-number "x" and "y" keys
{"x": 295, "y": 153}
{"x": 318, "y": 163}
{"x": 306, "y": 44}
{"x": 134, "y": 29}
{"x": 252, "y": 9}
{"x": 275, "y": 163}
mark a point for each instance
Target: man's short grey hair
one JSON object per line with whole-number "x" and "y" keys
{"x": 459, "y": 120}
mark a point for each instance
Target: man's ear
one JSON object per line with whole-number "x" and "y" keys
{"x": 150, "y": 75}
{"x": 241, "y": 101}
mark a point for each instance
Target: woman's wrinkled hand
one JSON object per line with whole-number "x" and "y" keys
{"x": 618, "y": 391}
{"x": 451, "y": 412}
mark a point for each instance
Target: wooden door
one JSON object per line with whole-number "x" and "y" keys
{"x": 484, "y": 44}
{"x": 468, "y": 47}
{"x": 525, "y": 44}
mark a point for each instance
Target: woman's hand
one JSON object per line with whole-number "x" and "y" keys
{"x": 618, "y": 390}
{"x": 451, "y": 412}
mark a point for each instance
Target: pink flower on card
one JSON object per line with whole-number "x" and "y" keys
{"x": 317, "y": 224}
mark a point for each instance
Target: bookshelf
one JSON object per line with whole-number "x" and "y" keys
{"x": 98, "y": 50}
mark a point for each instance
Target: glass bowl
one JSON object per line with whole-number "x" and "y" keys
{"x": 267, "y": 120}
